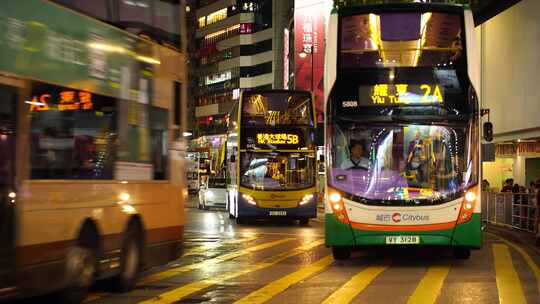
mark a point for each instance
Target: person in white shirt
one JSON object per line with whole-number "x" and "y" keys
{"x": 356, "y": 160}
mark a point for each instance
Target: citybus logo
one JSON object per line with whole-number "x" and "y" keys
{"x": 396, "y": 217}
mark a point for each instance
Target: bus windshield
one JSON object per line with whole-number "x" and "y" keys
{"x": 277, "y": 109}
{"x": 401, "y": 164}
{"x": 404, "y": 39}
{"x": 277, "y": 170}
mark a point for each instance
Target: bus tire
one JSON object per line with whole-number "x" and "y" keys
{"x": 304, "y": 221}
{"x": 80, "y": 274}
{"x": 462, "y": 253}
{"x": 341, "y": 252}
{"x": 240, "y": 220}
{"x": 130, "y": 262}
{"x": 231, "y": 216}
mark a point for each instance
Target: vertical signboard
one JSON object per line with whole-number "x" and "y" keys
{"x": 309, "y": 20}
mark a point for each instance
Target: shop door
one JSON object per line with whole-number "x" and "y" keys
{"x": 8, "y": 199}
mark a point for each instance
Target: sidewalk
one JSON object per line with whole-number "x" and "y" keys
{"x": 516, "y": 236}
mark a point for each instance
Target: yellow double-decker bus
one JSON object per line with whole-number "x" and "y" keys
{"x": 271, "y": 159}
{"x": 91, "y": 174}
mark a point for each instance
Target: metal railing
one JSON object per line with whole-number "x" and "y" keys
{"x": 513, "y": 210}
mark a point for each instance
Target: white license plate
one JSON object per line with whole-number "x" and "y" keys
{"x": 403, "y": 239}
{"x": 278, "y": 213}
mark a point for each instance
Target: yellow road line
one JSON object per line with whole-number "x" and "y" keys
{"x": 430, "y": 286}
{"x": 526, "y": 257}
{"x": 181, "y": 292}
{"x": 93, "y": 296}
{"x": 359, "y": 282}
{"x": 206, "y": 263}
{"x": 508, "y": 283}
{"x": 276, "y": 287}
{"x": 204, "y": 248}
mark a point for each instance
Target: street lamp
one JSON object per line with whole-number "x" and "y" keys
{"x": 303, "y": 55}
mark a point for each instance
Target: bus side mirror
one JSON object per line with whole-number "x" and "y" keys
{"x": 488, "y": 131}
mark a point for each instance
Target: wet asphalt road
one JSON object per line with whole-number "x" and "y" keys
{"x": 282, "y": 262}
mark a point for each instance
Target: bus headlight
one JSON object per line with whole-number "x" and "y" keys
{"x": 124, "y": 196}
{"x": 335, "y": 197}
{"x": 306, "y": 199}
{"x": 336, "y": 203}
{"x": 467, "y": 207}
{"x": 249, "y": 199}
{"x": 470, "y": 197}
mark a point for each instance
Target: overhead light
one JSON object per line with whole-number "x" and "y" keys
{"x": 187, "y": 134}
{"x": 303, "y": 55}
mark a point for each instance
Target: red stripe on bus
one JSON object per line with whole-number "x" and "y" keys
{"x": 427, "y": 227}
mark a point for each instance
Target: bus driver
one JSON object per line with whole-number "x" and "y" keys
{"x": 356, "y": 160}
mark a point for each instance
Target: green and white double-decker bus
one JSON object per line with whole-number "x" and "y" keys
{"x": 402, "y": 128}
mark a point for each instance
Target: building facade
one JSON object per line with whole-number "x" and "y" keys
{"x": 239, "y": 45}
{"x": 509, "y": 54}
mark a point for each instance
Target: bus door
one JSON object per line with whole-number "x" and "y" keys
{"x": 8, "y": 102}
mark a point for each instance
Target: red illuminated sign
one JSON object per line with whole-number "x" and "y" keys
{"x": 309, "y": 49}
{"x": 64, "y": 101}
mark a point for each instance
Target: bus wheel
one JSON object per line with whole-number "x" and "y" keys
{"x": 80, "y": 270}
{"x": 240, "y": 220}
{"x": 341, "y": 252}
{"x": 304, "y": 221}
{"x": 462, "y": 253}
{"x": 231, "y": 216}
{"x": 129, "y": 263}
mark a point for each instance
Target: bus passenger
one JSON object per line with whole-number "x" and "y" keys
{"x": 356, "y": 160}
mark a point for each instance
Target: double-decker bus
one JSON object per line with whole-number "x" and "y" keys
{"x": 271, "y": 160}
{"x": 92, "y": 184}
{"x": 402, "y": 128}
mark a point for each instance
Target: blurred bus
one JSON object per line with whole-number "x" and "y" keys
{"x": 271, "y": 157}
{"x": 402, "y": 128}
{"x": 92, "y": 183}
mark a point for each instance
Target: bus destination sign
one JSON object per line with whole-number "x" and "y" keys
{"x": 277, "y": 139}
{"x": 395, "y": 95}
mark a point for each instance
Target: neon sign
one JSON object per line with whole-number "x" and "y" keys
{"x": 400, "y": 94}
{"x": 65, "y": 101}
{"x": 277, "y": 139}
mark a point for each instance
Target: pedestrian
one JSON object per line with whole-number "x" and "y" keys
{"x": 508, "y": 184}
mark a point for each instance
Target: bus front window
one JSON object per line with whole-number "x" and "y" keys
{"x": 277, "y": 109}
{"x": 277, "y": 170}
{"x": 400, "y": 164}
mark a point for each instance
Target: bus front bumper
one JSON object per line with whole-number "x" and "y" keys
{"x": 308, "y": 210}
{"x": 468, "y": 235}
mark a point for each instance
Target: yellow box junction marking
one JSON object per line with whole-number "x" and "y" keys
{"x": 278, "y": 286}
{"x": 528, "y": 259}
{"x": 181, "y": 292}
{"x": 430, "y": 286}
{"x": 508, "y": 283}
{"x": 177, "y": 270}
{"x": 359, "y": 282}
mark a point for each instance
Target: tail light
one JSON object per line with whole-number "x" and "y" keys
{"x": 468, "y": 205}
